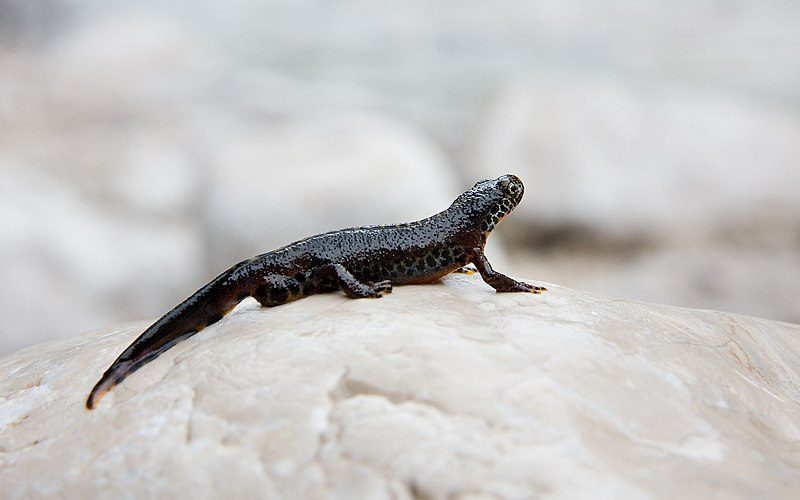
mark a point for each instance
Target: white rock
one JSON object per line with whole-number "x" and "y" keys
{"x": 434, "y": 391}
{"x": 271, "y": 185}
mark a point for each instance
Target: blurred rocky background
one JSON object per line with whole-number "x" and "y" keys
{"x": 145, "y": 146}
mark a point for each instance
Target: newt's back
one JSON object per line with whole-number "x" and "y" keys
{"x": 417, "y": 252}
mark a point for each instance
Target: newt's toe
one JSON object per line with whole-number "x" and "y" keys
{"x": 382, "y": 286}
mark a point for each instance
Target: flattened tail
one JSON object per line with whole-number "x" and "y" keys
{"x": 120, "y": 369}
{"x": 97, "y": 393}
{"x": 206, "y": 306}
{"x": 109, "y": 380}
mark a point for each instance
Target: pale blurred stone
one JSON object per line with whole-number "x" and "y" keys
{"x": 661, "y": 162}
{"x": 70, "y": 266}
{"x": 652, "y": 192}
{"x": 436, "y": 391}
{"x": 271, "y": 185}
{"x": 105, "y": 111}
{"x": 757, "y": 281}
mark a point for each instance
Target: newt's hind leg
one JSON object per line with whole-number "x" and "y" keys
{"x": 336, "y": 276}
{"x": 278, "y": 289}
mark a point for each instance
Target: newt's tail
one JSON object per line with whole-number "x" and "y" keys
{"x": 206, "y": 306}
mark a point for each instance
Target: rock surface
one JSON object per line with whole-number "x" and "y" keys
{"x": 437, "y": 391}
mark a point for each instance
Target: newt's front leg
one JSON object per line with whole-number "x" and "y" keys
{"x": 500, "y": 282}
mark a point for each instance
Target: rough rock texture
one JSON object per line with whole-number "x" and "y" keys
{"x": 435, "y": 391}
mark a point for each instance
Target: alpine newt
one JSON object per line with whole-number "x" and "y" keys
{"x": 363, "y": 262}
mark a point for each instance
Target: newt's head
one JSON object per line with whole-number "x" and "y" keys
{"x": 488, "y": 201}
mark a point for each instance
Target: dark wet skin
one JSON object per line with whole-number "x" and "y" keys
{"x": 364, "y": 262}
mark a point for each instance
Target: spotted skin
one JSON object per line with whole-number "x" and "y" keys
{"x": 363, "y": 262}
